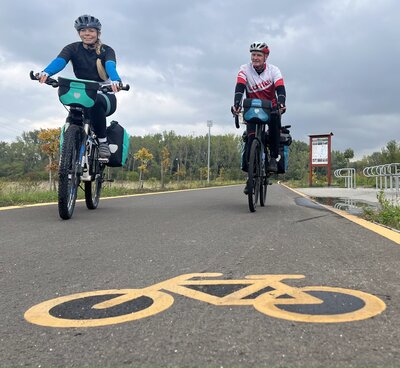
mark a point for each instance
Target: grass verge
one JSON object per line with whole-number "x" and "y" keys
{"x": 387, "y": 214}
{"x": 33, "y": 194}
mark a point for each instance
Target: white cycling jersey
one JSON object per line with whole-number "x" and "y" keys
{"x": 262, "y": 85}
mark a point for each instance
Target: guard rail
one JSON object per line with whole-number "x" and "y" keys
{"x": 386, "y": 176}
{"x": 349, "y": 175}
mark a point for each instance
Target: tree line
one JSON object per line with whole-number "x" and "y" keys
{"x": 167, "y": 156}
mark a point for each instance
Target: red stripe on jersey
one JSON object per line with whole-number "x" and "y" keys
{"x": 279, "y": 83}
{"x": 241, "y": 80}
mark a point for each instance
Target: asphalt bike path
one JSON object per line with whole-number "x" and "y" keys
{"x": 193, "y": 278}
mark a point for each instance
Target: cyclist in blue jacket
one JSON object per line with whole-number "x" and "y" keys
{"x": 91, "y": 60}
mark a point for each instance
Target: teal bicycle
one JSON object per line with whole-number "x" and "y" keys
{"x": 79, "y": 152}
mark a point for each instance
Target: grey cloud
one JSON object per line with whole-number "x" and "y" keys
{"x": 339, "y": 59}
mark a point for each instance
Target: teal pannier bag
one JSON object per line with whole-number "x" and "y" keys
{"x": 118, "y": 141}
{"x": 283, "y": 163}
{"x": 77, "y": 92}
{"x": 256, "y": 110}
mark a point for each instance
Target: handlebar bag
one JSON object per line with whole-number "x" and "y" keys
{"x": 77, "y": 92}
{"x": 118, "y": 141}
{"x": 256, "y": 110}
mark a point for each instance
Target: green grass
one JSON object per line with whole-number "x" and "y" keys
{"x": 24, "y": 193}
{"x": 388, "y": 214}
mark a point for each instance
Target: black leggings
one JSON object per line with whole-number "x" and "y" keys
{"x": 105, "y": 105}
{"x": 274, "y": 129}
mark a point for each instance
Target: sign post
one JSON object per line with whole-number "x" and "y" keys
{"x": 320, "y": 154}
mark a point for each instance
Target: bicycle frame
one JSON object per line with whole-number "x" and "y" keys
{"x": 87, "y": 144}
{"x": 260, "y": 133}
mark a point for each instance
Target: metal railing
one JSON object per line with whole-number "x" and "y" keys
{"x": 349, "y": 175}
{"x": 386, "y": 176}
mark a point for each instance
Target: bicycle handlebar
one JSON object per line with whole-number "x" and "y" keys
{"x": 54, "y": 83}
{"x": 274, "y": 111}
{"x": 50, "y": 81}
{"x": 237, "y": 122}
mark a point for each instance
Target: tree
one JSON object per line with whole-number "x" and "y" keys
{"x": 165, "y": 162}
{"x": 299, "y": 156}
{"x": 348, "y": 155}
{"x": 50, "y": 145}
{"x": 391, "y": 153}
{"x": 203, "y": 172}
{"x": 180, "y": 172}
{"x": 144, "y": 156}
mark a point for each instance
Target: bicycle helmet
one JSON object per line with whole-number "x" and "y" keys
{"x": 87, "y": 21}
{"x": 260, "y": 47}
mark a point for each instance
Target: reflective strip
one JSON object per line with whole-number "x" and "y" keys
{"x": 107, "y": 102}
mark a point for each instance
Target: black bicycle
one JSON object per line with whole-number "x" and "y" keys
{"x": 259, "y": 113}
{"x": 79, "y": 147}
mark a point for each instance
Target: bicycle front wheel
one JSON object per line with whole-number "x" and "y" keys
{"x": 254, "y": 175}
{"x": 69, "y": 171}
{"x": 263, "y": 182}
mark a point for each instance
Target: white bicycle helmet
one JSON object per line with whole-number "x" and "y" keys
{"x": 260, "y": 47}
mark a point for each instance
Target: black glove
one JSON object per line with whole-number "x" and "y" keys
{"x": 235, "y": 110}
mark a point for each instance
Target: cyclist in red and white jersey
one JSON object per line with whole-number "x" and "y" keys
{"x": 263, "y": 81}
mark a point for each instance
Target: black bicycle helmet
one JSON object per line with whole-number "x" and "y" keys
{"x": 87, "y": 21}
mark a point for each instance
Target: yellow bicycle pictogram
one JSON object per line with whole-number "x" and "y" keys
{"x": 268, "y": 294}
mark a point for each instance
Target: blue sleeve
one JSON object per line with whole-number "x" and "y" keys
{"x": 111, "y": 69}
{"x": 55, "y": 66}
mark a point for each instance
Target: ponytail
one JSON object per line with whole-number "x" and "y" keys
{"x": 97, "y": 46}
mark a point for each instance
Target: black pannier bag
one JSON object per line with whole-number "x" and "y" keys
{"x": 285, "y": 142}
{"x": 118, "y": 141}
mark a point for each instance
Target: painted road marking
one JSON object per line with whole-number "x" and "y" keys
{"x": 268, "y": 294}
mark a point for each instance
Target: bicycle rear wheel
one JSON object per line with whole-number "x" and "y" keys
{"x": 69, "y": 171}
{"x": 254, "y": 175}
{"x": 93, "y": 188}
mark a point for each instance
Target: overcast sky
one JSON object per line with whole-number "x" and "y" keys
{"x": 339, "y": 60}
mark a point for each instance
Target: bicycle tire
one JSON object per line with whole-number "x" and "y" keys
{"x": 263, "y": 182}
{"x": 254, "y": 175}
{"x": 93, "y": 187}
{"x": 68, "y": 173}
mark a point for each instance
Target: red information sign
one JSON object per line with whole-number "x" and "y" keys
{"x": 320, "y": 153}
